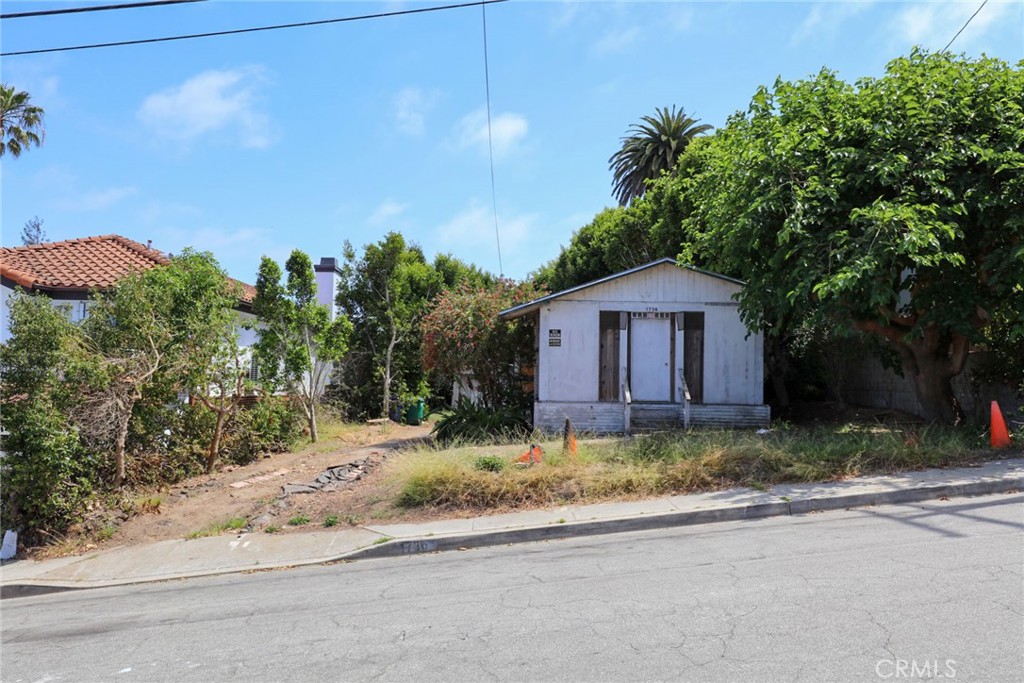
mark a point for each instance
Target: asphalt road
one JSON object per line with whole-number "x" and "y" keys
{"x": 917, "y": 592}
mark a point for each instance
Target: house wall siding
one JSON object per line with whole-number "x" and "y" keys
{"x": 733, "y": 359}
{"x": 609, "y": 418}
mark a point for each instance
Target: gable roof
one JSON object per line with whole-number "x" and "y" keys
{"x": 84, "y": 264}
{"x": 530, "y": 306}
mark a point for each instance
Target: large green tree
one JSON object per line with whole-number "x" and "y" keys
{"x": 462, "y": 331}
{"x": 157, "y": 329}
{"x": 615, "y": 240}
{"x": 386, "y": 293}
{"x": 650, "y": 148}
{"x": 298, "y": 342}
{"x": 46, "y": 471}
{"x": 21, "y": 122}
{"x": 202, "y": 305}
{"x": 894, "y": 206}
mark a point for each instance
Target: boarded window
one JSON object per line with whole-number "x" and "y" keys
{"x": 693, "y": 355}
{"x": 609, "y": 359}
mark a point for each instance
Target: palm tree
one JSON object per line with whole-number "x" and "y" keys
{"x": 650, "y": 147}
{"x": 21, "y": 123}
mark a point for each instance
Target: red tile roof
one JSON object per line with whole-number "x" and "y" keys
{"x": 83, "y": 264}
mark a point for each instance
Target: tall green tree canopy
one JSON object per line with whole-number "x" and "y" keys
{"x": 298, "y": 342}
{"x": 463, "y": 332}
{"x": 21, "y": 122}
{"x": 894, "y": 205}
{"x": 650, "y": 148}
{"x": 386, "y": 293}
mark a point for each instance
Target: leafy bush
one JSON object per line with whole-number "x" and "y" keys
{"x": 472, "y": 423}
{"x": 47, "y": 473}
{"x": 271, "y": 425}
{"x": 489, "y": 463}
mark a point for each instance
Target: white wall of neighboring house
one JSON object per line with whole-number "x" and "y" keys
{"x": 5, "y": 318}
{"x": 77, "y": 308}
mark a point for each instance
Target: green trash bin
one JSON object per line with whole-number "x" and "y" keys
{"x": 422, "y": 405}
{"x": 414, "y": 413}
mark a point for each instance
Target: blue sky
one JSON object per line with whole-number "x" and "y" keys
{"x": 257, "y": 144}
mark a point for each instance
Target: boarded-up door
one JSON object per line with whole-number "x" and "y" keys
{"x": 609, "y": 360}
{"x": 650, "y": 357}
{"x": 693, "y": 355}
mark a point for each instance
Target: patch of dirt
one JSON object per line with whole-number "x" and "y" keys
{"x": 253, "y": 492}
{"x": 809, "y": 413}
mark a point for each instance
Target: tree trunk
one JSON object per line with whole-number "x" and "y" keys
{"x": 311, "y": 418}
{"x": 931, "y": 373}
{"x": 122, "y": 435}
{"x": 218, "y": 430}
{"x": 387, "y": 373}
{"x": 775, "y": 357}
{"x": 930, "y": 361}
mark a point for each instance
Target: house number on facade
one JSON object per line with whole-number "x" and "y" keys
{"x": 554, "y": 337}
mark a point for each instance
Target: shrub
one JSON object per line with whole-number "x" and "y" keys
{"x": 472, "y": 423}
{"x": 489, "y": 463}
{"x": 271, "y": 425}
{"x": 47, "y": 474}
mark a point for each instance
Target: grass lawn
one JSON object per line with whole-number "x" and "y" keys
{"x": 482, "y": 478}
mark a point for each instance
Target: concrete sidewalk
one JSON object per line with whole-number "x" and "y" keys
{"x": 257, "y": 551}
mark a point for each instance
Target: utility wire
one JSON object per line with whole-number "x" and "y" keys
{"x": 93, "y": 8}
{"x": 250, "y": 30}
{"x": 490, "y": 145}
{"x": 968, "y": 23}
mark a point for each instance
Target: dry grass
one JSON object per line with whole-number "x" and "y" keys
{"x": 462, "y": 478}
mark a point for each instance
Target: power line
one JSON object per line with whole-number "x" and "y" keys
{"x": 93, "y": 8}
{"x": 211, "y": 34}
{"x": 490, "y": 146}
{"x": 965, "y": 25}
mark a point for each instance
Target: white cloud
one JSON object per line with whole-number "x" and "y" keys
{"x": 617, "y": 40}
{"x": 96, "y": 200}
{"x": 933, "y": 24}
{"x": 474, "y": 227}
{"x": 411, "y": 106}
{"x": 214, "y": 101}
{"x": 37, "y": 79}
{"x": 679, "y": 17}
{"x": 507, "y": 130}
{"x": 825, "y": 19}
{"x": 566, "y": 15}
{"x": 387, "y": 210}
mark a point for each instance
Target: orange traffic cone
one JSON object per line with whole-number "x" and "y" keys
{"x": 1000, "y": 437}
{"x": 531, "y": 456}
{"x": 569, "y": 440}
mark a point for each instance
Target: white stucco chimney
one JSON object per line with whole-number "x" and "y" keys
{"x": 327, "y": 277}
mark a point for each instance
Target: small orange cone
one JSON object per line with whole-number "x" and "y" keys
{"x": 531, "y": 456}
{"x": 569, "y": 440}
{"x": 1000, "y": 437}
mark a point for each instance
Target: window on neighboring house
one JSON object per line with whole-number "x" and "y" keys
{"x": 254, "y": 371}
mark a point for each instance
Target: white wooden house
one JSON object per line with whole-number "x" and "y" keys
{"x": 657, "y": 345}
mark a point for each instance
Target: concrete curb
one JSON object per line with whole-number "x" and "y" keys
{"x": 644, "y": 522}
{"x": 430, "y": 544}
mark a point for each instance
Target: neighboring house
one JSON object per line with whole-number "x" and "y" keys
{"x": 657, "y": 345}
{"x": 69, "y": 271}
